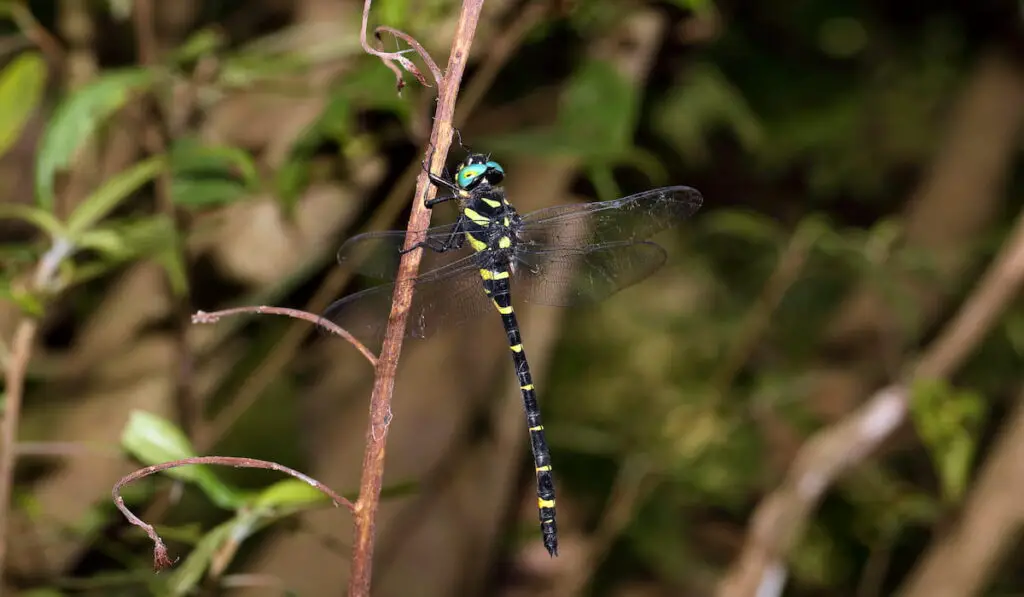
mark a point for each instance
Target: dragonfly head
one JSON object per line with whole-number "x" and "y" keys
{"x": 479, "y": 170}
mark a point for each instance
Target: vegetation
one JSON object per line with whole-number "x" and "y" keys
{"x": 818, "y": 395}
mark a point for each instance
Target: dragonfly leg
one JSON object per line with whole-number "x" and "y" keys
{"x": 441, "y": 183}
{"x": 458, "y": 136}
{"x": 454, "y": 241}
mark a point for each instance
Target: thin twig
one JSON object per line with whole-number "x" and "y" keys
{"x": 204, "y": 317}
{"x": 387, "y": 366}
{"x": 160, "y": 557}
{"x": 390, "y": 58}
{"x": 14, "y": 377}
{"x": 778, "y": 521}
{"x": 36, "y": 33}
{"x": 415, "y": 46}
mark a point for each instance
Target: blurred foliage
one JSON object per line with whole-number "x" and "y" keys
{"x": 804, "y": 124}
{"x": 948, "y": 421}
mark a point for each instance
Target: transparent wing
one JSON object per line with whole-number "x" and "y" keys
{"x": 632, "y": 218}
{"x": 441, "y": 298}
{"x": 568, "y": 255}
{"x": 454, "y": 294}
{"x": 376, "y": 254}
{"x": 568, "y": 277}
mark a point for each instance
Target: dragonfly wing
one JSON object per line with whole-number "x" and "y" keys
{"x": 633, "y": 218}
{"x": 441, "y": 298}
{"x": 376, "y": 254}
{"x": 568, "y": 277}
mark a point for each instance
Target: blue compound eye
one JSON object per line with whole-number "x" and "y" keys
{"x": 495, "y": 166}
{"x": 467, "y": 175}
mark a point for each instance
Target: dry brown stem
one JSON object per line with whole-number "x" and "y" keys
{"x": 160, "y": 558}
{"x": 204, "y": 317}
{"x": 36, "y": 33}
{"x": 14, "y": 381}
{"x": 14, "y": 378}
{"x": 387, "y": 365}
{"x": 390, "y": 58}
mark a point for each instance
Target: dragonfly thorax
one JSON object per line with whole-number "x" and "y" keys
{"x": 492, "y": 224}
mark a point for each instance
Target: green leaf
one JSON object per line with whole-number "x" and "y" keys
{"x": 151, "y": 237}
{"x": 188, "y": 574}
{"x": 207, "y": 192}
{"x": 393, "y": 12}
{"x": 77, "y": 118}
{"x": 126, "y": 239}
{"x": 289, "y": 494}
{"x": 154, "y": 440}
{"x": 108, "y": 242}
{"x": 707, "y": 102}
{"x": 191, "y": 156}
{"x": 604, "y": 182}
{"x": 114, "y": 191}
{"x": 291, "y": 179}
{"x": 201, "y": 43}
{"x": 948, "y": 422}
{"x": 598, "y": 111}
{"x": 21, "y": 88}
{"x": 210, "y": 175}
{"x": 596, "y": 121}
{"x": 36, "y": 216}
{"x": 27, "y": 302}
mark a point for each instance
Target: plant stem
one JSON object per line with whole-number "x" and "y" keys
{"x": 387, "y": 364}
{"x": 14, "y": 376}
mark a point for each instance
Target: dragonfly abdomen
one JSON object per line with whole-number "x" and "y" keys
{"x": 496, "y": 285}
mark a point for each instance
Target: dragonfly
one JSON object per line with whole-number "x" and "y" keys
{"x": 561, "y": 256}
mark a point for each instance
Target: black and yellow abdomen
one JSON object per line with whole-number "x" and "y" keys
{"x": 496, "y": 286}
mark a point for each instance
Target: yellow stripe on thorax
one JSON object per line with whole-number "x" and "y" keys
{"x": 491, "y": 202}
{"x": 477, "y": 244}
{"x": 476, "y": 217}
